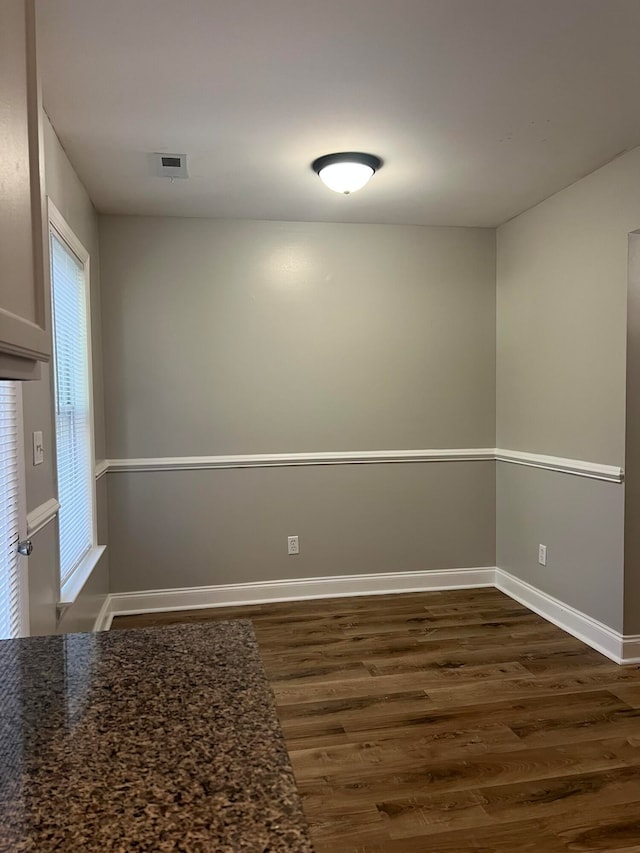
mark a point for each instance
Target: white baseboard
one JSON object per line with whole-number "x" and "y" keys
{"x": 623, "y": 649}
{"x": 631, "y": 648}
{"x": 229, "y": 595}
{"x": 105, "y": 616}
{"x": 618, "y": 647}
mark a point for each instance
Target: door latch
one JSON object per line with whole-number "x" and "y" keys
{"x": 25, "y": 548}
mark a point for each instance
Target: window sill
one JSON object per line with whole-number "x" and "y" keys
{"x": 73, "y": 587}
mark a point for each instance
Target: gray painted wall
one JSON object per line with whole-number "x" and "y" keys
{"x": 257, "y": 337}
{"x": 561, "y": 358}
{"x": 561, "y": 318}
{"x": 196, "y": 528}
{"x": 581, "y": 522}
{"x": 70, "y": 197}
{"x": 260, "y": 337}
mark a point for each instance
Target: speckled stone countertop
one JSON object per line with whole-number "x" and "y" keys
{"x": 146, "y": 740}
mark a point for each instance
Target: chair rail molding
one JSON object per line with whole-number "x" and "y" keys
{"x": 577, "y": 467}
{"x": 269, "y": 460}
{"x": 41, "y": 516}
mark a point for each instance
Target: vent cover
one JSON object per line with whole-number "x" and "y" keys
{"x": 170, "y": 165}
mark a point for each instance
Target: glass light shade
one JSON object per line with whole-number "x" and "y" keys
{"x": 345, "y": 177}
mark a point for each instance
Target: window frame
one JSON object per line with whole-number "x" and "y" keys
{"x": 70, "y": 589}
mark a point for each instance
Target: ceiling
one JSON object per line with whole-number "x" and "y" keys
{"x": 479, "y": 108}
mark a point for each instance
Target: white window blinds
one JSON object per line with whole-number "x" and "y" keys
{"x": 73, "y": 413}
{"x": 10, "y": 603}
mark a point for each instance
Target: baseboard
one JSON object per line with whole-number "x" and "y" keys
{"x": 227, "y": 595}
{"x": 105, "y": 616}
{"x": 630, "y": 648}
{"x": 618, "y": 647}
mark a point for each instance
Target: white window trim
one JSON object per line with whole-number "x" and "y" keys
{"x": 72, "y": 588}
{"x": 69, "y": 591}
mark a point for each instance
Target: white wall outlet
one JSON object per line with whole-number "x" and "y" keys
{"x": 293, "y": 546}
{"x": 542, "y": 555}
{"x": 38, "y": 448}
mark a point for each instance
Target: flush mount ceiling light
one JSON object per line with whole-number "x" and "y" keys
{"x": 346, "y": 172}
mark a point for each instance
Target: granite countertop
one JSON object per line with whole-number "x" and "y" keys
{"x": 145, "y": 740}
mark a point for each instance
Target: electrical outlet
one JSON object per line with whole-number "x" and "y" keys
{"x": 293, "y": 546}
{"x": 542, "y": 555}
{"x": 38, "y": 448}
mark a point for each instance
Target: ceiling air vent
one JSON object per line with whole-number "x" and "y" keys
{"x": 170, "y": 165}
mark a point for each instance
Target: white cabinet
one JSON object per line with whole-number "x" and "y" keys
{"x": 24, "y": 304}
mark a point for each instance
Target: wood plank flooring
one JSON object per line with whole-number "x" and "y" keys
{"x": 448, "y": 721}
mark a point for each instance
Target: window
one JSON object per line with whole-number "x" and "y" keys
{"x": 73, "y": 408}
{"x": 13, "y": 577}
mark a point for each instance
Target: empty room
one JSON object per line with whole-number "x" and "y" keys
{"x": 319, "y": 426}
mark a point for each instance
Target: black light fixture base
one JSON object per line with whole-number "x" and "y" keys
{"x": 347, "y": 157}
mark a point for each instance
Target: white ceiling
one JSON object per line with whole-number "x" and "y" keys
{"x": 479, "y": 108}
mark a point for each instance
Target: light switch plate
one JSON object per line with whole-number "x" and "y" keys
{"x": 38, "y": 448}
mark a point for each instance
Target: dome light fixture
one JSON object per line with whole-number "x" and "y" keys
{"x": 346, "y": 172}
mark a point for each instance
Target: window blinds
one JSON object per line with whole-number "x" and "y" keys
{"x": 73, "y": 420}
{"x": 10, "y": 604}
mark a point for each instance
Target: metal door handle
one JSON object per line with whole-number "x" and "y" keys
{"x": 25, "y": 548}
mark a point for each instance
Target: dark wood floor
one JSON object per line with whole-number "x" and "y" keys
{"x": 448, "y": 721}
